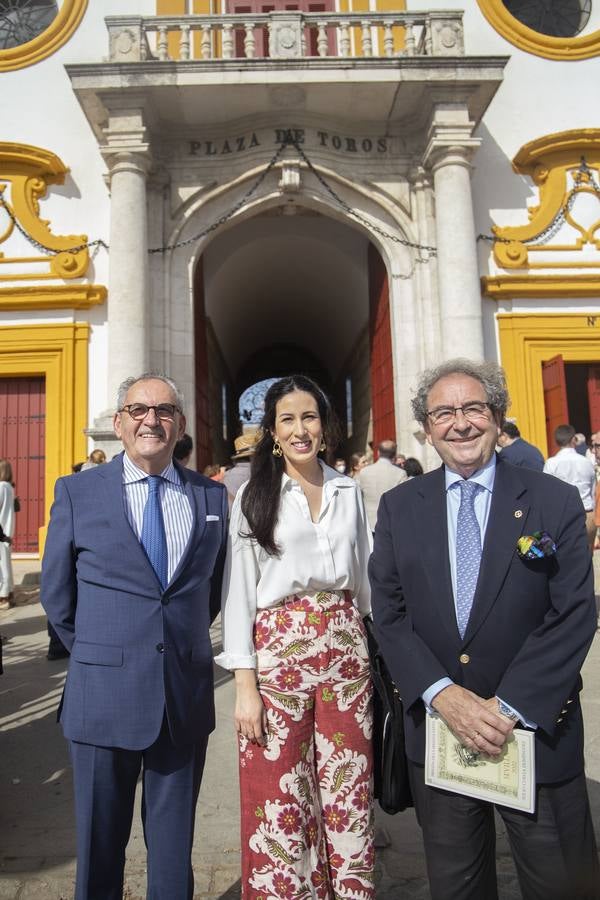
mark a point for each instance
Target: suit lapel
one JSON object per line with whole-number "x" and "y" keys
{"x": 432, "y": 533}
{"x": 196, "y": 495}
{"x": 508, "y": 514}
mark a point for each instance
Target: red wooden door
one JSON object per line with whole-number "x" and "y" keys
{"x": 593, "y": 384}
{"x": 22, "y": 442}
{"x": 382, "y": 369}
{"x": 555, "y": 398}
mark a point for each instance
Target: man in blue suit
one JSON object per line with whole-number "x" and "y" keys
{"x": 484, "y": 637}
{"x": 131, "y": 580}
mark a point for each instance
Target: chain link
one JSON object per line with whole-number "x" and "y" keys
{"x": 583, "y": 172}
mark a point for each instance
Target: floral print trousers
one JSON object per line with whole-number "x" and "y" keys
{"x": 307, "y": 797}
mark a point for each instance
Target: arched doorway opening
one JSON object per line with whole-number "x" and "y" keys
{"x": 278, "y": 294}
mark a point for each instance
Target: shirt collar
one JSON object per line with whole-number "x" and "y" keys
{"x": 133, "y": 473}
{"x": 484, "y": 476}
{"x": 564, "y": 450}
{"x": 331, "y": 480}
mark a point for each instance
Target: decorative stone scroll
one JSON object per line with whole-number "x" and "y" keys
{"x": 25, "y": 174}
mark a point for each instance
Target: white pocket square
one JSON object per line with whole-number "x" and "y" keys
{"x": 213, "y": 518}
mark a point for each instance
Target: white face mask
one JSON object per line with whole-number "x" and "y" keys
{"x": 340, "y": 467}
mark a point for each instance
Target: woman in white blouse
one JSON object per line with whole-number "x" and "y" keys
{"x": 294, "y": 595}
{"x": 7, "y": 525}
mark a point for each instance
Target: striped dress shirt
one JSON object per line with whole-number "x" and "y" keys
{"x": 177, "y": 511}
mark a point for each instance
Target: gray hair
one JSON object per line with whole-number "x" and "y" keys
{"x": 125, "y": 386}
{"x": 490, "y": 375}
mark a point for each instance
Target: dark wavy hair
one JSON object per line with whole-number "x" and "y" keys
{"x": 260, "y": 500}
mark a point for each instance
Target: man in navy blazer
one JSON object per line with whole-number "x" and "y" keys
{"x": 512, "y": 654}
{"x": 139, "y": 688}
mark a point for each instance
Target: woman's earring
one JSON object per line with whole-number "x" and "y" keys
{"x": 323, "y": 446}
{"x": 277, "y": 451}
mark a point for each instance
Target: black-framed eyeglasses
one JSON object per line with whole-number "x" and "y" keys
{"x": 477, "y": 409}
{"x": 164, "y": 411}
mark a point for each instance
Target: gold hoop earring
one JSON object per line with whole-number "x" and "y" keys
{"x": 323, "y": 446}
{"x": 277, "y": 451}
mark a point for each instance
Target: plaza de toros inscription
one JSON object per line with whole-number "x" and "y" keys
{"x": 327, "y": 140}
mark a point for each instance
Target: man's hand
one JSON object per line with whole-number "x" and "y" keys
{"x": 476, "y": 722}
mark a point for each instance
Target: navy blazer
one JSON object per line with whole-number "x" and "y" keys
{"x": 531, "y": 623}
{"x": 136, "y": 650}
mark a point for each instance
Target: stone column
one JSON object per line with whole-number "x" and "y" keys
{"x": 448, "y": 155}
{"x": 128, "y": 298}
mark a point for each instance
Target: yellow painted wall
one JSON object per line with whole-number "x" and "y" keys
{"x": 528, "y": 340}
{"x": 59, "y": 353}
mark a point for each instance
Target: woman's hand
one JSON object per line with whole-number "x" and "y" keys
{"x": 250, "y": 715}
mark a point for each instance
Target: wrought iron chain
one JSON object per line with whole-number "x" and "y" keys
{"x": 559, "y": 219}
{"x": 42, "y": 247}
{"x": 230, "y": 213}
{"x": 356, "y": 215}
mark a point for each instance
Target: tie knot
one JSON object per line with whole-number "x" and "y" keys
{"x": 469, "y": 490}
{"x": 154, "y": 483}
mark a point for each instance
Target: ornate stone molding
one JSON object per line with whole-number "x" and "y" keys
{"x": 564, "y": 166}
{"x": 25, "y": 174}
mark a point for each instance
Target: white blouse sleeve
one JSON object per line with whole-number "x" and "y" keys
{"x": 238, "y": 598}
{"x": 7, "y": 508}
{"x": 364, "y": 545}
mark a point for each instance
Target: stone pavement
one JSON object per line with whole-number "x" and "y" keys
{"x": 37, "y": 837}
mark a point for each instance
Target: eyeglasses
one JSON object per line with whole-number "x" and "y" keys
{"x": 164, "y": 411}
{"x": 471, "y": 411}
{"x": 595, "y": 446}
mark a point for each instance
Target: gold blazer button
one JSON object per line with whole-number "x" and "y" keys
{"x": 464, "y": 658}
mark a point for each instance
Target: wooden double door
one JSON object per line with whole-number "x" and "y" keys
{"x": 571, "y": 396}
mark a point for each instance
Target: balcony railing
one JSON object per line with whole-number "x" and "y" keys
{"x": 285, "y": 35}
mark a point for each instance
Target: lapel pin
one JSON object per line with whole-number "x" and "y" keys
{"x": 518, "y": 513}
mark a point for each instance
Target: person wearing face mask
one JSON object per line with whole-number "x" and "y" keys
{"x": 294, "y": 594}
{"x": 340, "y": 466}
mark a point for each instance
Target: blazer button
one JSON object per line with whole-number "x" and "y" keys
{"x": 165, "y": 601}
{"x": 464, "y": 658}
{"x": 160, "y": 648}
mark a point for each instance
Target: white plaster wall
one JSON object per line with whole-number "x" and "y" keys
{"x": 38, "y": 107}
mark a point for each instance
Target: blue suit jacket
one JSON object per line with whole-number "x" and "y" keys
{"x": 136, "y": 650}
{"x": 531, "y": 623}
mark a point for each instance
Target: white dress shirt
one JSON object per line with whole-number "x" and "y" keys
{"x": 329, "y": 554}
{"x": 177, "y": 511}
{"x": 572, "y": 467}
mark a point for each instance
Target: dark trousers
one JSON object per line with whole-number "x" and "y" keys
{"x": 105, "y": 781}
{"x": 554, "y": 849}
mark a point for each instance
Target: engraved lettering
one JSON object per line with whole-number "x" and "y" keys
{"x": 350, "y": 145}
{"x": 226, "y": 148}
{"x": 240, "y": 144}
{"x": 322, "y": 135}
{"x": 254, "y": 142}
{"x": 194, "y": 147}
{"x": 337, "y": 142}
{"x": 367, "y": 145}
{"x": 381, "y": 145}
{"x": 210, "y": 149}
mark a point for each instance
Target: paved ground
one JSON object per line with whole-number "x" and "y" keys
{"x": 37, "y": 836}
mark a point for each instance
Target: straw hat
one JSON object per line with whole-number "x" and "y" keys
{"x": 245, "y": 445}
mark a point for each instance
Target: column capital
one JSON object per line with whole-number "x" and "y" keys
{"x": 419, "y": 177}
{"x": 442, "y": 151}
{"x": 137, "y": 161}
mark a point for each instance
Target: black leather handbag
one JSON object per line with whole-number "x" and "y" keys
{"x": 392, "y": 788}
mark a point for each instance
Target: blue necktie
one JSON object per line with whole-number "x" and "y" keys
{"x": 154, "y": 539}
{"x": 468, "y": 553}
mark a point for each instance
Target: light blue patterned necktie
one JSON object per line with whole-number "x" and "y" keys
{"x": 468, "y": 553}
{"x": 153, "y": 538}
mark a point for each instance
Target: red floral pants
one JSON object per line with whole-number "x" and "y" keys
{"x": 307, "y": 797}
